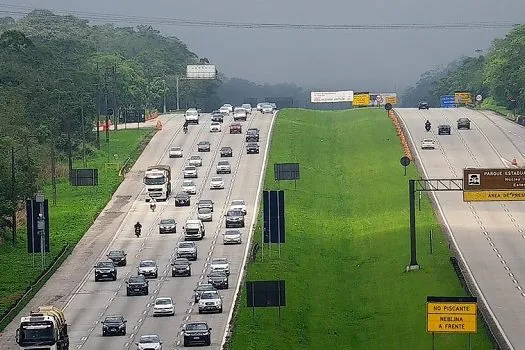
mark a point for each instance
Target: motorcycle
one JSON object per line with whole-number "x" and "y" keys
{"x": 153, "y": 206}
{"x": 185, "y": 128}
{"x": 137, "y": 231}
{"x": 427, "y": 127}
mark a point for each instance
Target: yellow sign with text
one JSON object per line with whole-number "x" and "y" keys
{"x": 452, "y": 317}
{"x": 488, "y": 196}
{"x": 391, "y": 99}
{"x": 463, "y": 98}
{"x": 361, "y": 100}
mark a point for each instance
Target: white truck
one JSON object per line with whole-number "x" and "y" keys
{"x": 45, "y": 328}
{"x": 192, "y": 116}
{"x": 194, "y": 230}
{"x": 157, "y": 179}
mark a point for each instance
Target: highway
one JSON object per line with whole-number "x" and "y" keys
{"x": 489, "y": 235}
{"x": 87, "y": 302}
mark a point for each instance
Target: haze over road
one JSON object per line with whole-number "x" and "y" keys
{"x": 489, "y": 235}
{"x": 92, "y": 301}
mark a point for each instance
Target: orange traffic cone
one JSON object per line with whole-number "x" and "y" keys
{"x": 514, "y": 162}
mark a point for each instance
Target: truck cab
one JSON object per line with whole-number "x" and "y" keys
{"x": 158, "y": 182}
{"x": 194, "y": 230}
{"x": 44, "y": 328}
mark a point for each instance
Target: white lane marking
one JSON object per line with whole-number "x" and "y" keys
{"x": 254, "y": 217}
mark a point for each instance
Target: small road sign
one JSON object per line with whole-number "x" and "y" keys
{"x": 479, "y": 98}
{"x": 379, "y": 99}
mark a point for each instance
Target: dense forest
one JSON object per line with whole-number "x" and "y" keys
{"x": 499, "y": 76}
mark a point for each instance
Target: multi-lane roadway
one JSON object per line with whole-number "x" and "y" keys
{"x": 489, "y": 235}
{"x": 87, "y": 302}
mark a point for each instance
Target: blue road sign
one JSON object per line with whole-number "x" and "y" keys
{"x": 448, "y": 101}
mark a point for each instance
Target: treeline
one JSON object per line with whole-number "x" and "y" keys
{"x": 498, "y": 76}
{"x": 53, "y": 69}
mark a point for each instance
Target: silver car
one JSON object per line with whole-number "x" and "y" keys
{"x": 232, "y": 237}
{"x": 189, "y": 187}
{"x": 148, "y": 268}
{"x": 220, "y": 264}
{"x": 195, "y": 161}
{"x": 175, "y": 152}
{"x": 190, "y": 171}
{"x": 223, "y": 167}
{"x": 204, "y": 214}
{"x": 247, "y": 107}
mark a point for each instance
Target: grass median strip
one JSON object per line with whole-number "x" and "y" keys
{"x": 75, "y": 210}
{"x": 347, "y": 243}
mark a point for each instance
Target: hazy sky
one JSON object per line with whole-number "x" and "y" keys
{"x": 329, "y": 59}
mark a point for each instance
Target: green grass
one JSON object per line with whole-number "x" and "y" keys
{"x": 347, "y": 244}
{"x": 74, "y": 212}
{"x": 490, "y": 105}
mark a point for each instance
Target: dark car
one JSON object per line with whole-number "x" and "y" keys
{"x": 235, "y": 128}
{"x": 167, "y": 226}
{"x": 114, "y": 325}
{"x": 197, "y": 333}
{"x": 105, "y": 270}
{"x": 180, "y": 267}
{"x": 234, "y": 218}
{"x": 182, "y": 199}
{"x": 218, "y": 279}
{"x": 463, "y": 123}
{"x": 444, "y": 130}
{"x": 252, "y": 135}
{"x": 252, "y": 148}
{"x": 203, "y": 146}
{"x": 118, "y": 257}
{"x": 137, "y": 285}
{"x": 205, "y": 203}
{"x": 216, "y": 116}
{"x": 423, "y": 105}
{"x": 226, "y": 152}
{"x": 202, "y": 288}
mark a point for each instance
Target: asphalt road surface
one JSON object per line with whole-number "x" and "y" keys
{"x": 87, "y": 302}
{"x": 490, "y": 235}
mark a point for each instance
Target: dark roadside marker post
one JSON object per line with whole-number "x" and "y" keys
{"x": 405, "y": 161}
{"x": 388, "y": 106}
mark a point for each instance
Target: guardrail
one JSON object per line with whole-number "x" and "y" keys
{"x": 33, "y": 289}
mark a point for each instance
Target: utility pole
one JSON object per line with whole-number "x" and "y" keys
{"x": 69, "y": 151}
{"x": 98, "y": 108}
{"x": 164, "y": 92}
{"x": 83, "y": 133}
{"x": 13, "y": 195}
{"x": 115, "y": 109}
{"x": 106, "y": 92}
{"x": 177, "y": 88}
{"x": 54, "y": 172}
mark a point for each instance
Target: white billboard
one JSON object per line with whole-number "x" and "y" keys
{"x": 201, "y": 71}
{"x": 331, "y": 96}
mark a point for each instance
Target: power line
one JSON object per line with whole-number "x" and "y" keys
{"x": 24, "y": 10}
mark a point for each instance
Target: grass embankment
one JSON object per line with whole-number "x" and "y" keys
{"x": 347, "y": 244}
{"x": 490, "y": 105}
{"x": 74, "y": 212}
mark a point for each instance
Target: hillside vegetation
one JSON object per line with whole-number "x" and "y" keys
{"x": 498, "y": 76}
{"x": 51, "y": 70}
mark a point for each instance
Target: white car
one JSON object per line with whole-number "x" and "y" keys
{"x": 164, "y": 306}
{"x": 210, "y": 301}
{"x": 260, "y": 106}
{"x": 215, "y": 127}
{"x": 232, "y": 237}
{"x": 247, "y": 107}
{"x": 175, "y": 152}
{"x": 190, "y": 171}
{"x": 224, "y": 110}
{"x": 239, "y": 113}
{"x": 195, "y": 161}
{"x": 189, "y": 187}
{"x": 428, "y": 144}
{"x": 216, "y": 183}
{"x": 149, "y": 342}
{"x": 238, "y": 204}
{"x": 229, "y": 106}
{"x": 220, "y": 264}
{"x": 205, "y": 214}
{"x": 267, "y": 108}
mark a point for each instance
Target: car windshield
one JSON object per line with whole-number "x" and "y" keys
{"x": 216, "y": 179}
{"x": 105, "y": 264}
{"x": 215, "y": 123}
{"x": 136, "y": 279}
{"x": 225, "y": 148}
{"x": 189, "y": 167}
{"x": 181, "y": 262}
{"x": 195, "y": 158}
{"x": 428, "y": 140}
{"x": 205, "y": 287}
{"x": 232, "y": 233}
{"x": 185, "y": 245}
{"x": 223, "y": 162}
{"x": 204, "y": 143}
{"x": 192, "y": 113}
{"x": 204, "y": 210}
{"x": 238, "y": 202}
{"x": 234, "y": 213}
{"x": 148, "y": 339}
{"x": 163, "y": 301}
{"x": 113, "y": 319}
{"x": 148, "y": 263}
{"x": 116, "y": 253}
{"x": 196, "y": 327}
{"x": 219, "y": 261}
{"x": 188, "y": 183}
{"x": 213, "y": 295}
{"x": 246, "y": 106}
{"x": 176, "y": 149}
{"x": 182, "y": 195}
{"x": 221, "y": 274}
{"x": 239, "y": 109}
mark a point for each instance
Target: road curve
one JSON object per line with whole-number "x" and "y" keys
{"x": 87, "y": 303}
{"x": 489, "y": 235}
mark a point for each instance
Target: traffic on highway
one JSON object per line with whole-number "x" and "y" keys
{"x": 169, "y": 275}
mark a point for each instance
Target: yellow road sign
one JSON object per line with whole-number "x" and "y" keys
{"x": 463, "y": 97}
{"x": 444, "y": 315}
{"x": 391, "y": 99}
{"x": 361, "y": 99}
{"x": 488, "y": 196}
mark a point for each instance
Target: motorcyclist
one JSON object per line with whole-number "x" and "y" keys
{"x": 427, "y": 125}
{"x": 138, "y": 228}
{"x": 153, "y": 204}
{"x": 185, "y": 126}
